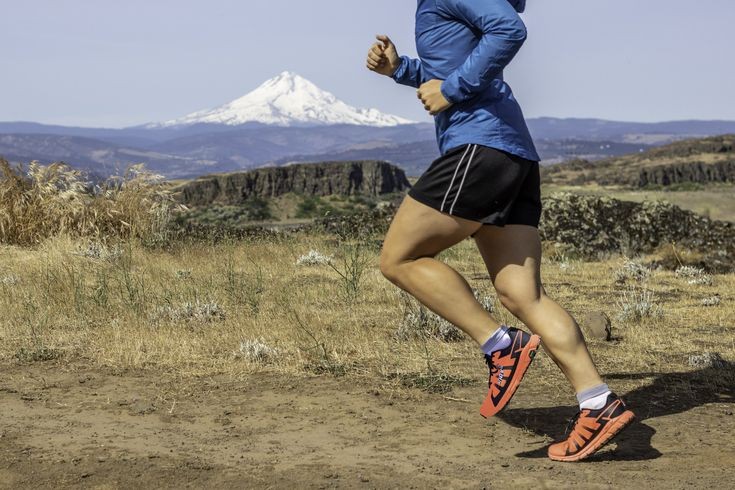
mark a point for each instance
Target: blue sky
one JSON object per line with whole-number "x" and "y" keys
{"x": 117, "y": 63}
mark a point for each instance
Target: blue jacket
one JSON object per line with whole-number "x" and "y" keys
{"x": 467, "y": 43}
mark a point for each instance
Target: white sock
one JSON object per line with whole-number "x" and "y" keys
{"x": 497, "y": 341}
{"x": 596, "y": 402}
{"x": 593, "y": 398}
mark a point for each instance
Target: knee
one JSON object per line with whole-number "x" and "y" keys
{"x": 389, "y": 267}
{"x": 518, "y": 298}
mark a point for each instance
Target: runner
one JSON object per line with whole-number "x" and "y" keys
{"x": 486, "y": 185}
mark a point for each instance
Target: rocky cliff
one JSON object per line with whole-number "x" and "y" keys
{"x": 314, "y": 179}
{"x": 697, "y": 172}
{"x": 702, "y": 161}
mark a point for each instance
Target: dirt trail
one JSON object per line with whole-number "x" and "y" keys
{"x": 64, "y": 427}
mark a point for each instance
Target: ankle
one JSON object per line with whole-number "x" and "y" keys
{"x": 593, "y": 398}
{"x": 498, "y": 340}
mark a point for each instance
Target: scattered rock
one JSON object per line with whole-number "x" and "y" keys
{"x": 707, "y": 360}
{"x": 223, "y": 419}
{"x": 142, "y": 408}
{"x": 597, "y": 325}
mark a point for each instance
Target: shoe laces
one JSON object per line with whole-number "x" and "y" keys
{"x": 572, "y": 422}
{"x": 494, "y": 369}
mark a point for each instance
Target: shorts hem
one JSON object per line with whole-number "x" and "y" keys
{"x": 457, "y": 212}
{"x": 469, "y": 215}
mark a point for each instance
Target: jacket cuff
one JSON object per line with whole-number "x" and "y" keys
{"x": 450, "y": 89}
{"x": 400, "y": 72}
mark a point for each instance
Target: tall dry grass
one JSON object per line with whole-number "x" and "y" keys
{"x": 251, "y": 305}
{"x": 43, "y": 201}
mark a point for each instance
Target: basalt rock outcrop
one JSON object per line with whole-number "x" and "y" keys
{"x": 702, "y": 161}
{"x": 602, "y": 224}
{"x": 314, "y": 179}
{"x": 696, "y": 172}
{"x": 592, "y": 225}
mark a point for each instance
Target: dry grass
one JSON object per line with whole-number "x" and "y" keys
{"x": 48, "y": 200}
{"x": 241, "y": 307}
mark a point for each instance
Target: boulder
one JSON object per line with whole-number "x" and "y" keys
{"x": 597, "y": 325}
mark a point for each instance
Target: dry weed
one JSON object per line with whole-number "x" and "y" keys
{"x": 43, "y": 201}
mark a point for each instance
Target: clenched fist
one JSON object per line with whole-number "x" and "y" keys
{"x": 431, "y": 96}
{"x": 383, "y": 57}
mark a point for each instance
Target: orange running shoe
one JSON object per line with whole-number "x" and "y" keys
{"x": 507, "y": 368}
{"x": 592, "y": 429}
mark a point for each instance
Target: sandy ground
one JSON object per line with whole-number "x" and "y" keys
{"x": 67, "y": 426}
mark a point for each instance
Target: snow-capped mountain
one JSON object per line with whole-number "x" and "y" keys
{"x": 287, "y": 100}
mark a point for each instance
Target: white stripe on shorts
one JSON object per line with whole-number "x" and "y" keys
{"x": 463, "y": 177}
{"x": 455, "y": 175}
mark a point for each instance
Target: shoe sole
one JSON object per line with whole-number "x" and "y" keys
{"x": 487, "y": 409}
{"x": 620, "y": 423}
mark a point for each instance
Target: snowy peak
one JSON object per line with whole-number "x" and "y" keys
{"x": 288, "y": 100}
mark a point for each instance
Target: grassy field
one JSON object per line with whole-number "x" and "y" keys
{"x": 248, "y": 306}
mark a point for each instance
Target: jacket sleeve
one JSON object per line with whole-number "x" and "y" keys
{"x": 502, "y": 35}
{"x": 409, "y": 72}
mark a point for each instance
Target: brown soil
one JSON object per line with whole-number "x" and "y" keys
{"x": 68, "y": 426}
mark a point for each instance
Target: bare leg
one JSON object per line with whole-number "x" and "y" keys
{"x": 512, "y": 255}
{"x": 418, "y": 233}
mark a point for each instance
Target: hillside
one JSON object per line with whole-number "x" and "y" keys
{"x": 191, "y": 150}
{"x": 703, "y": 161}
{"x": 100, "y": 159}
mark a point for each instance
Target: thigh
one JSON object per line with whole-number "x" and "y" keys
{"x": 512, "y": 255}
{"x": 418, "y": 230}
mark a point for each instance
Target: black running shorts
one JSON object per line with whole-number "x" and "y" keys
{"x": 482, "y": 184}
